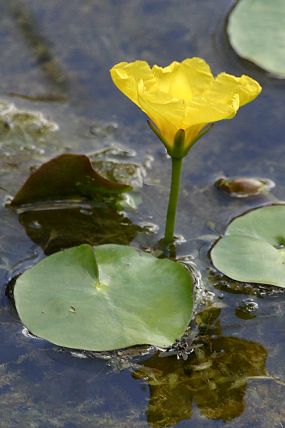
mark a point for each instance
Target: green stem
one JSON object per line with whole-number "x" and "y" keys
{"x": 173, "y": 199}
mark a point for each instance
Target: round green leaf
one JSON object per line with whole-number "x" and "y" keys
{"x": 129, "y": 298}
{"x": 253, "y": 249}
{"x": 256, "y": 30}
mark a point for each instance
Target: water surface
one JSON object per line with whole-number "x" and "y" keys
{"x": 55, "y": 58}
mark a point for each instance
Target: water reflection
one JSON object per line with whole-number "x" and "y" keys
{"x": 214, "y": 378}
{"x": 223, "y": 283}
{"x": 57, "y": 228}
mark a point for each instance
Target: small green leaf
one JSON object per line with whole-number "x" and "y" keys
{"x": 256, "y": 30}
{"x": 253, "y": 249}
{"x": 64, "y": 177}
{"x": 137, "y": 299}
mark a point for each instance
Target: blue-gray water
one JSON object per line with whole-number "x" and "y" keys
{"x": 55, "y": 57}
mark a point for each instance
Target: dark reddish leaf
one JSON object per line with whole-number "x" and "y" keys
{"x": 67, "y": 176}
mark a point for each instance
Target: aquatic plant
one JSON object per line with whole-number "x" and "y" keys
{"x": 181, "y": 101}
{"x": 115, "y": 296}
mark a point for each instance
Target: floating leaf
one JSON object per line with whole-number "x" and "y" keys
{"x": 253, "y": 248}
{"x": 64, "y": 177}
{"x": 136, "y": 299}
{"x": 256, "y": 30}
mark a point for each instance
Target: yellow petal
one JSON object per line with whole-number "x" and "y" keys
{"x": 207, "y": 109}
{"x": 226, "y": 85}
{"x": 183, "y": 80}
{"x": 222, "y": 99}
{"x": 127, "y": 76}
{"x": 164, "y": 112}
{"x": 199, "y": 75}
{"x": 173, "y": 81}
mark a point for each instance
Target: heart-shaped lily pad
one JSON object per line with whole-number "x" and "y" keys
{"x": 256, "y": 30}
{"x": 128, "y": 298}
{"x": 253, "y": 248}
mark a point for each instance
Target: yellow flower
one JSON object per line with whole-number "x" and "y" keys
{"x": 182, "y": 98}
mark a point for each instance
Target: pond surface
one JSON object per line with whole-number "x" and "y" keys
{"x": 55, "y": 58}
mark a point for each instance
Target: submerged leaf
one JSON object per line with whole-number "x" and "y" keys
{"x": 253, "y": 248}
{"x": 137, "y": 299}
{"x": 256, "y": 30}
{"x": 65, "y": 177}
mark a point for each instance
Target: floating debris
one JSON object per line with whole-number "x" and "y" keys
{"x": 242, "y": 187}
{"x": 247, "y": 309}
{"x": 111, "y": 163}
{"x": 14, "y": 120}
